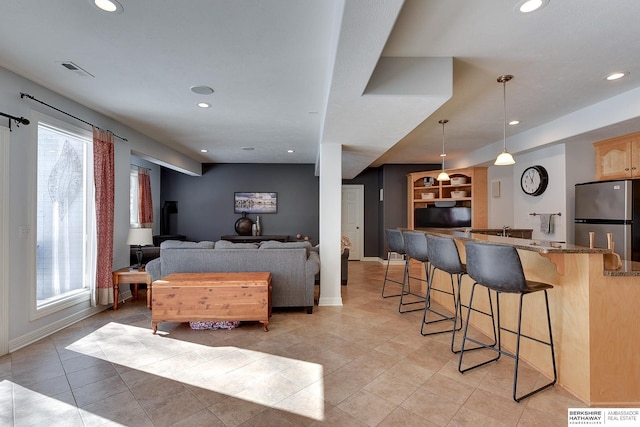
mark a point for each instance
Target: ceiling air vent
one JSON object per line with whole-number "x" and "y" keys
{"x": 76, "y": 69}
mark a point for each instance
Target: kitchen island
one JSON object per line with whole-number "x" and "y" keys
{"x": 594, "y": 315}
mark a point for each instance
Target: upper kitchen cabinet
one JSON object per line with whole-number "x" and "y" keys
{"x": 618, "y": 158}
{"x": 466, "y": 188}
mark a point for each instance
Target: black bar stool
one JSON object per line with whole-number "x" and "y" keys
{"x": 499, "y": 268}
{"x": 444, "y": 256}
{"x": 415, "y": 247}
{"x": 395, "y": 243}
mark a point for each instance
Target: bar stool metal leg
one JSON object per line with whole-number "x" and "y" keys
{"x": 441, "y": 317}
{"x": 395, "y": 244}
{"x": 415, "y": 247}
{"x": 509, "y": 278}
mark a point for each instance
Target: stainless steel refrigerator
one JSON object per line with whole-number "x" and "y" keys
{"x": 609, "y": 207}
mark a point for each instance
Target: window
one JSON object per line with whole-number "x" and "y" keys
{"x": 134, "y": 217}
{"x": 64, "y": 198}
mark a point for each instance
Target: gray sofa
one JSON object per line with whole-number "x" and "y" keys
{"x": 292, "y": 265}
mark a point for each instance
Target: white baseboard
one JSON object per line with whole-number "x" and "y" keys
{"x": 38, "y": 334}
{"x": 52, "y": 328}
{"x": 330, "y": 301}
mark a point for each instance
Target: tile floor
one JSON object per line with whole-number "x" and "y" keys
{"x": 363, "y": 364}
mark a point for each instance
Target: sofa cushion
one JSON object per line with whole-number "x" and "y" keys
{"x": 225, "y": 244}
{"x": 274, "y": 244}
{"x": 177, "y": 244}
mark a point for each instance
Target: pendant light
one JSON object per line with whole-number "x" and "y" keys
{"x": 504, "y": 158}
{"x": 443, "y": 176}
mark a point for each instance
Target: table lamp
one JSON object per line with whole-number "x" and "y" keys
{"x": 140, "y": 237}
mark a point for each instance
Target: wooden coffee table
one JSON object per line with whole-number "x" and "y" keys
{"x": 183, "y": 297}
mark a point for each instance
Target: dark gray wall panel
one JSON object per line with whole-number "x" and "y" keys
{"x": 205, "y": 203}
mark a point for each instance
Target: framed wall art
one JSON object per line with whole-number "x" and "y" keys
{"x": 259, "y": 203}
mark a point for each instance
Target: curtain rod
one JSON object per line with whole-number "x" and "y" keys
{"x": 22, "y": 95}
{"x": 19, "y": 120}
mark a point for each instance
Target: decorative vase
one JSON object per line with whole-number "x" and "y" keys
{"x": 258, "y": 226}
{"x": 243, "y": 225}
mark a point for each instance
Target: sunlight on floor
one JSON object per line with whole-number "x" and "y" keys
{"x": 277, "y": 382}
{"x": 41, "y": 409}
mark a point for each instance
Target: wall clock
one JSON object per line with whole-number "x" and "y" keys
{"x": 534, "y": 180}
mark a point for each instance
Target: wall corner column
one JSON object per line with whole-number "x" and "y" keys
{"x": 330, "y": 224}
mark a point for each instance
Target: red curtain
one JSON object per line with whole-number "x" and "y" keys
{"x": 145, "y": 206}
{"x": 103, "y": 171}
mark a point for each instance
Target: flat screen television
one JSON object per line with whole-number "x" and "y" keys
{"x": 439, "y": 217}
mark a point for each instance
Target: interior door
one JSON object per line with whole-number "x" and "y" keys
{"x": 353, "y": 219}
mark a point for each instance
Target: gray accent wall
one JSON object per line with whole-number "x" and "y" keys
{"x": 394, "y": 207}
{"x": 392, "y": 211}
{"x": 205, "y": 203}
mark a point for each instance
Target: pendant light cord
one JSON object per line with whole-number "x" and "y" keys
{"x": 442, "y": 122}
{"x": 504, "y": 123}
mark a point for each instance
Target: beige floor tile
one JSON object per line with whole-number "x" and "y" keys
{"x": 367, "y": 407}
{"x": 157, "y": 392}
{"x": 47, "y": 411}
{"x": 391, "y": 388}
{"x": 173, "y": 408}
{"x": 434, "y": 408}
{"x": 490, "y": 404}
{"x": 204, "y": 418}
{"x": 40, "y": 390}
{"x": 90, "y": 375}
{"x": 337, "y": 417}
{"x": 98, "y": 390}
{"x": 410, "y": 372}
{"x": 233, "y": 412}
{"x": 120, "y": 409}
{"x": 469, "y": 418}
{"x": 356, "y": 365}
{"x": 455, "y": 389}
{"x": 401, "y": 417}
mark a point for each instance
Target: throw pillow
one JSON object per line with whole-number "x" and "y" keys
{"x": 225, "y": 244}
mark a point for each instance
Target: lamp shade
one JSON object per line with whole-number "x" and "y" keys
{"x": 443, "y": 176}
{"x": 140, "y": 237}
{"x": 504, "y": 159}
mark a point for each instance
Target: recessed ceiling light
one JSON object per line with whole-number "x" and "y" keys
{"x": 111, "y": 6}
{"x": 514, "y": 122}
{"x": 528, "y": 6}
{"x": 248, "y": 148}
{"x": 204, "y": 150}
{"x": 290, "y": 151}
{"x": 616, "y": 75}
{"x": 202, "y": 90}
{"x": 203, "y": 105}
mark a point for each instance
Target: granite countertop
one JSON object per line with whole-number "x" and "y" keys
{"x": 540, "y": 246}
{"x": 628, "y": 268}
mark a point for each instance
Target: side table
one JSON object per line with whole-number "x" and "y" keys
{"x": 131, "y": 275}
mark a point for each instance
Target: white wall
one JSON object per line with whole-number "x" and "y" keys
{"x": 23, "y": 330}
{"x": 500, "y": 205}
{"x": 551, "y": 201}
{"x": 567, "y": 165}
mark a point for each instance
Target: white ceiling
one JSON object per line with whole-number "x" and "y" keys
{"x": 292, "y": 74}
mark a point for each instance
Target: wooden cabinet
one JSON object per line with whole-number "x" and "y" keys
{"x": 618, "y": 157}
{"x": 424, "y": 191}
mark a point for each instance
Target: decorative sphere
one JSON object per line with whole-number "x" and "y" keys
{"x": 298, "y": 236}
{"x": 306, "y": 237}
